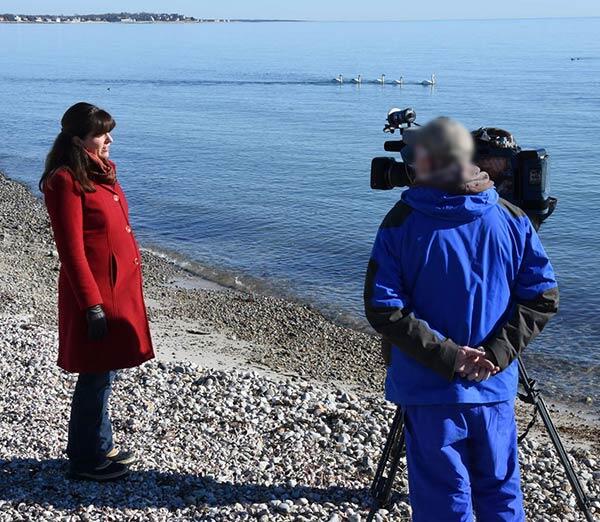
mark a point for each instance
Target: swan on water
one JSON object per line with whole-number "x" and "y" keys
{"x": 358, "y": 79}
{"x": 429, "y": 82}
{"x": 399, "y": 81}
{"x": 381, "y": 80}
{"x": 339, "y": 79}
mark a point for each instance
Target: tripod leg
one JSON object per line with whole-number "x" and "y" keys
{"x": 396, "y": 428}
{"x": 396, "y": 456}
{"x": 394, "y": 448}
{"x": 539, "y": 404}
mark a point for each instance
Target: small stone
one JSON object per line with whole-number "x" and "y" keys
{"x": 284, "y": 508}
{"x": 344, "y": 438}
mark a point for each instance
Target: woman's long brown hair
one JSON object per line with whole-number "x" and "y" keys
{"x": 81, "y": 120}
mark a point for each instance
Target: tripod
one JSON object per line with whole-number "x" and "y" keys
{"x": 394, "y": 449}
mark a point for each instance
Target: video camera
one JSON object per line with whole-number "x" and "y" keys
{"x": 521, "y": 175}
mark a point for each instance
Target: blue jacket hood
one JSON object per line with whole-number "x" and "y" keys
{"x": 452, "y": 207}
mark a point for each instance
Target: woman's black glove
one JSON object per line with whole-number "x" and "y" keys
{"x": 96, "y": 321}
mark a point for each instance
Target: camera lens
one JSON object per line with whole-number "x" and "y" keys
{"x": 395, "y": 117}
{"x": 387, "y": 173}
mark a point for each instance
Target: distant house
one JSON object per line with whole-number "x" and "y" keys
{"x": 17, "y": 18}
{"x": 39, "y": 19}
{"x": 57, "y": 20}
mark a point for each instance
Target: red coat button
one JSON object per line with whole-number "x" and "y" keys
{"x": 136, "y": 261}
{"x": 128, "y": 229}
{"x": 116, "y": 198}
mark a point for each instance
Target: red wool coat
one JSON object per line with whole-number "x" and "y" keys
{"x": 100, "y": 264}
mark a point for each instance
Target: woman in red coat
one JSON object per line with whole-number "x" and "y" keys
{"x": 102, "y": 321}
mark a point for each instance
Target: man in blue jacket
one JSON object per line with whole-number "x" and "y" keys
{"x": 458, "y": 284}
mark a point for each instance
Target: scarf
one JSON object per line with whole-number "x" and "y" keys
{"x": 456, "y": 179}
{"x": 101, "y": 170}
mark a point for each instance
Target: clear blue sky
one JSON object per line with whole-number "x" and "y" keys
{"x": 319, "y": 9}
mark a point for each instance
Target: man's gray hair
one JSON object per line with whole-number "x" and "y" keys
{"x": 446, "y": 141}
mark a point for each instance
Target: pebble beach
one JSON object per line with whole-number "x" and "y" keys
{"x": 256, "y": 408}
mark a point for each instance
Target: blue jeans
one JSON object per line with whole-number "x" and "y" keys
{"x": 463, "y": 457}
{"x": 90, "y": 432}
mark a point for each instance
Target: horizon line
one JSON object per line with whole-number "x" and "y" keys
{"x": 317, "y": 20}
{"x": 583, "y": 17}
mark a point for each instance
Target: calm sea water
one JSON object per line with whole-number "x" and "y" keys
{"x": 237, "y": 151}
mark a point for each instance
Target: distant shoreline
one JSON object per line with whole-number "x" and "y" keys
{"x": 156, "y": 23}
{"x": 140, "y": 22}
{"x": 68, "y": 20}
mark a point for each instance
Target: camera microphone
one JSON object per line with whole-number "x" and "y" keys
{"x": 393, "y": 146}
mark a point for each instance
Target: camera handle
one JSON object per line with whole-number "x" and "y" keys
{"x": 394, "y": 449}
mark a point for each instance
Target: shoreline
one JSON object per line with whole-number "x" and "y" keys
{"x": 277, "y": 383}
{"x": 177, "y": 287}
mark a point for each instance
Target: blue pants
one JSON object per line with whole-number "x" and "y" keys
{"x": 463, "y": 457}
{"x": 90, "y": 431}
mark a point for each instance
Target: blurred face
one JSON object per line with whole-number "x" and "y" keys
{"x": 99, "y": 145}
{"x": 422, "y": 162}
